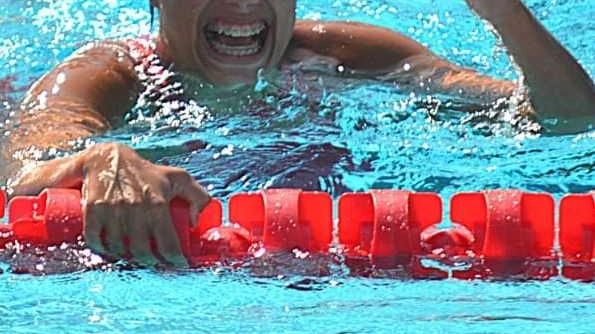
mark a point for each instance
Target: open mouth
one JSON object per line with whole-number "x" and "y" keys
{"x": 237, "y": 40}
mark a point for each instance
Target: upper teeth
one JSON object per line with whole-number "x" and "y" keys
{"x": 237, "y": 30}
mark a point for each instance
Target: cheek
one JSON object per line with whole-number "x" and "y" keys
{"x": 283, "y": 8}
{"x": 286, "y": 17}
{"x": 174, "y": 16}
{"x": 178, "y": 26}
{"x": 182, "y": 18}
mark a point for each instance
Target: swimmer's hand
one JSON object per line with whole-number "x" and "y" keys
{"x": 123, "y": 195}
{"x": 495, "y": 10}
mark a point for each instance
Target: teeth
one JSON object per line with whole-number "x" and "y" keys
{"x": 237, "y": 30}
{"x": 248, "y": 42}
{"x": 237, "y": 51}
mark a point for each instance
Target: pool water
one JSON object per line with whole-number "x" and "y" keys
{"x": 351, "y": 138}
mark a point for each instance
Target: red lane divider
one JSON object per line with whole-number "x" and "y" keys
{"x": 577, "y": 236}
{"x": 384, "y": 226}
{"x": 513, "y": 232}
{"x": 285, "y": 219}
{"x": 51, "y": 218}
{"x": 496, "y": 234}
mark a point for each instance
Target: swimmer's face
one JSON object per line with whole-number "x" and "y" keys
{"x": 226, "y": 41}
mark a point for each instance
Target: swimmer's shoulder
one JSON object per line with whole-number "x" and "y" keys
{"x": 98, "y": 79}
{"x": 359, "y": 46}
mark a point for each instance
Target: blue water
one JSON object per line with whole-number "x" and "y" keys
{"x": 368, "y": 135}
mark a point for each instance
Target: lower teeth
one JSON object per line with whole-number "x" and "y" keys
{"x": 238, "y": 47}
{"x": 237, "y": 51}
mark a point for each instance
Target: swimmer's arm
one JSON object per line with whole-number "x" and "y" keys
{"x": 430, "y": 74}
{"x": 369, "y": 51}
{"x": 363, "y": 49}
{"x": 558, "y": 86}
{"x": 78, "y": 98}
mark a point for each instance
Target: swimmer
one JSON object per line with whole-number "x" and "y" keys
{"x": 227, "y": 42}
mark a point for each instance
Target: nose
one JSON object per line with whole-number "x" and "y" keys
{"x": 245, "y": 6}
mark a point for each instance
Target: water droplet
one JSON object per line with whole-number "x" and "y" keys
{"x": 260, "y": 252}
{"x": 94, "y": 318}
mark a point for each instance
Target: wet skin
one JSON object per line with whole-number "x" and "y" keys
{"x": 227, "y": 42}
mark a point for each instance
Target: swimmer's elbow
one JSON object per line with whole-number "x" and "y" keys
{"x": 565, "y": 110}
{"x": 567, "y": 120}
{"x": 567, "y": 126}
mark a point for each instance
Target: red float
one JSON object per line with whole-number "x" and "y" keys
{"x": 382, "y": 228}
{"x": 513, "y": 232}
{"x": 577, "y": 236}
{"x": 285, "y": 219}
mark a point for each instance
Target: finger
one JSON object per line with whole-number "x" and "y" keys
{"x": 93, "y": 218}
{"x": 115, "y": 233}
{"x": 140, "y": 247}
{"x": 58, "y": 173}
{"x": 184, "y": 186}
{"x": 167, "y": 240}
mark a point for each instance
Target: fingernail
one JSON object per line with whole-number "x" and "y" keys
{"x": 183, "y": 262}
{"x": 147, "y": 261}
{"x": 179, "y": 261}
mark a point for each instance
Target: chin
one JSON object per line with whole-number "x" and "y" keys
{"x": 231, "y": 78}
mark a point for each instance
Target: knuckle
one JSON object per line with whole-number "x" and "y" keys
{"x": 103, "y": 150}
{"x": 156, "y": 210}
{"x": 179, "y": 174}
{"x": 201, "y": 196}
{"x": 153, "y": 198}
{"x": 110, "y": 146}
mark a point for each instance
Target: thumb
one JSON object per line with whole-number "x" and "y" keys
{"x": 59, "y": 173}
{"x": 185, "y": 187}
{"x": 197, "y": 198}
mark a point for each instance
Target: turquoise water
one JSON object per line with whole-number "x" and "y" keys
{"x": 366, "y": 135}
